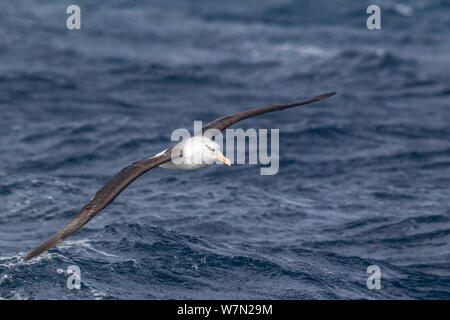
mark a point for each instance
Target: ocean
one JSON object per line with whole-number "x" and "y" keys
{"x": 363, "y": 176}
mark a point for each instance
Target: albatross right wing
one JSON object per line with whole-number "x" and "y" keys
{"x": 102, "y": 198}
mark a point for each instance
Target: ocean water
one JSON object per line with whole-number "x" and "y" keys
{"x": 364, "y": 176}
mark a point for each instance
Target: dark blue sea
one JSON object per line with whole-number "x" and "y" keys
{"x": 364, "y": 176}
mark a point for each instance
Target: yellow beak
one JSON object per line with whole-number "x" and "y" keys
{"x": 221, "y": 157}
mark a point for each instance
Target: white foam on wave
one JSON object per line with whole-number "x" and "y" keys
{"x": 99, "y": 294}
{"x": 403, "y": 9}
{"x": 17, "y": 259}
{"x": 304, "y": 50}
{"x": 84, "y": 243}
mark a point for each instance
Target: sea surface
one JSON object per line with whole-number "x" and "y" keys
{"x": 364, "y": 176}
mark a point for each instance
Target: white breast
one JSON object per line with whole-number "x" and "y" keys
{"x": 192, "y": 156}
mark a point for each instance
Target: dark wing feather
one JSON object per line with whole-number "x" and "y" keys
{"x": 224, "y": 122}
{"x": 102, "y": 198}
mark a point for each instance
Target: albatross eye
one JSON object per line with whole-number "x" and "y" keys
{"x": 209, "y": 147}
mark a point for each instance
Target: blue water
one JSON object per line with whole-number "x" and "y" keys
{"x": 364, "y": 176}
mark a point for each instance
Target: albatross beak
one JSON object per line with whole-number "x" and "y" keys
{"x": 221, "y": 157}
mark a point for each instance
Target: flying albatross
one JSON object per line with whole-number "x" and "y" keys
{"x": 192, "y": 153}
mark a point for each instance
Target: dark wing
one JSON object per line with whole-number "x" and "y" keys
{"x": 224, "y": 122}
{"x": 102, "y": 198}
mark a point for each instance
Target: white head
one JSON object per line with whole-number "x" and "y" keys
{"x": 200, "y": 151}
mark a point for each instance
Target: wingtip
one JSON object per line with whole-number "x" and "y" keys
{"x": 30, "y": 255}
{"x": 326, "y": 95}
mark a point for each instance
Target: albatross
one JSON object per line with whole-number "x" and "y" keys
{"x": 192, "y": 153}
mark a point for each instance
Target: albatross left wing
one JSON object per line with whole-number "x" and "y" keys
{"x": 102, "y": 198}
{"x": 224, "y": 122}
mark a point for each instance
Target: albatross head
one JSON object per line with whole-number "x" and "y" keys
{"x": 200, "y": 151}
